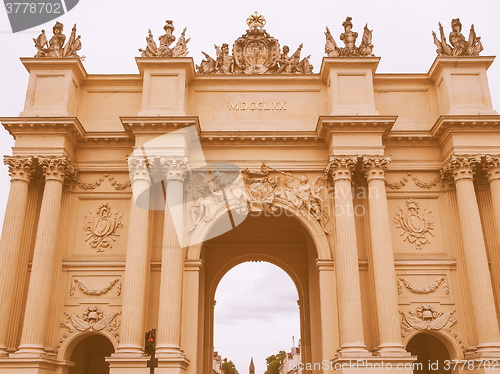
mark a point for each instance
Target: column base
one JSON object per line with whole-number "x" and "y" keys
{"x": 121, "y": 363}
{"x": 129, "y": 351}
{"x": 370, "y": 365}
{"x": 39, "y": 365}
{"x": 169, "y": 352}
{"x": 485, "y": 351}
{"x": 395, "y": 350}
{"x": 353, "y": 350}
{"x": 173, "y": 365}
{"x": 29, "y": 351}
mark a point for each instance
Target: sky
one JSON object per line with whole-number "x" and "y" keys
{"x": 112, "y": 32}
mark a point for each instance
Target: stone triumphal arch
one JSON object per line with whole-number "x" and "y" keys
{"x": 132, "y": 195}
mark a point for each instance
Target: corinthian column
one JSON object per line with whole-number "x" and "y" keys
{"x": 340, "y": 168}
{"x": 169, "y": 315}
{"x": 137, "y": 260}
{"x": 483, "y": 305}
{"x": 389, "y": 323}
{"x": 20, "y": 170}
{"x": 43, "y": 269}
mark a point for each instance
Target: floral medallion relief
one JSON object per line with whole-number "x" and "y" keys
{"x": 416, "y": 224}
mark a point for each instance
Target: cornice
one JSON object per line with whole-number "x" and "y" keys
{"x": 185, "y": 63}
{"x": 458, "y": 62}
{"x": 75, "y": 64}
{"x": 351, "y": 124}
{"x": 422, "y": 138}
{"x": 66, "y": 126}
{"x": 278, "y": 138}
{"x": 447, "y": 125}
{"x": 47, "y": 125}
{"x": 158, "y": 124}
{"x": 348, "y": 63}
{"x": 107, "y": 137}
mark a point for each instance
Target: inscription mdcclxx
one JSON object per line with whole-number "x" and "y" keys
{"x": 261, "y": 105}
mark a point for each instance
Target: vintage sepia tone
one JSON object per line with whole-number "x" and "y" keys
{"x": 378, "y": 194}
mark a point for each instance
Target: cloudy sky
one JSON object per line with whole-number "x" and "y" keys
{"x": 112, "y": 31}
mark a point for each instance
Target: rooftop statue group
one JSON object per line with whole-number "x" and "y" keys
{"x": 349, "y": 38}
{"x": 459, "y": 45}
{"x": 55, "y": 46}
{"x": 257, "y": 52}
{"x": 179, "y": 50}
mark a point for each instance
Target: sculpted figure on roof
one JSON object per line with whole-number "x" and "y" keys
{"x": 164, "y": 50}
{"x": 349, "y": 38}
{"x": 459, "y": 45}
{"x": 255, "y": 52}
{"x": 55, "y": 46}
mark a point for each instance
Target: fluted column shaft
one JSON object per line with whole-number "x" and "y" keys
{"x": 169, "y": 315}
{"x": 476, "y": 261}
{"x": 43, "y": 269}
{"x": 384, "y": 273}
{"x": 493, "y": 172}
{"x": 20, "y": 170}
{"x": 137, "y": 260}
{"x": 346, "y": 258}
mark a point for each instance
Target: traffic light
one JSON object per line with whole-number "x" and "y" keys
{"x": 150, "y": 342}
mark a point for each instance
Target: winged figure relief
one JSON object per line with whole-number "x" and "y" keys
{"x": 427, "y": 318}
{"x": 92, "y": 319}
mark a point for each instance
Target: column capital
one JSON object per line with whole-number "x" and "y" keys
{"x": 461, "y": 166}
{"x": 375, "y": 167}
{"x": 175, "y": 167}
{"x": 20, "y": 167}
{"x": 340, "y": 167}
{"x": 138, "y": 168}
{"x": 57, "y": 168}
{"x": 492, "y": 166}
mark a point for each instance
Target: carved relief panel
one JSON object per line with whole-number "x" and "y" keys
{"x": 416, "y": 225}
{"x": 101, "y": 226}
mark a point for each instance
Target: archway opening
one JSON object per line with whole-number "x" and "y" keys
{"x": 279, "y": 239}
{"x": 256, "y": 315}
{"x": 89, "y": 355}
{"x": 431, "y": 354}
